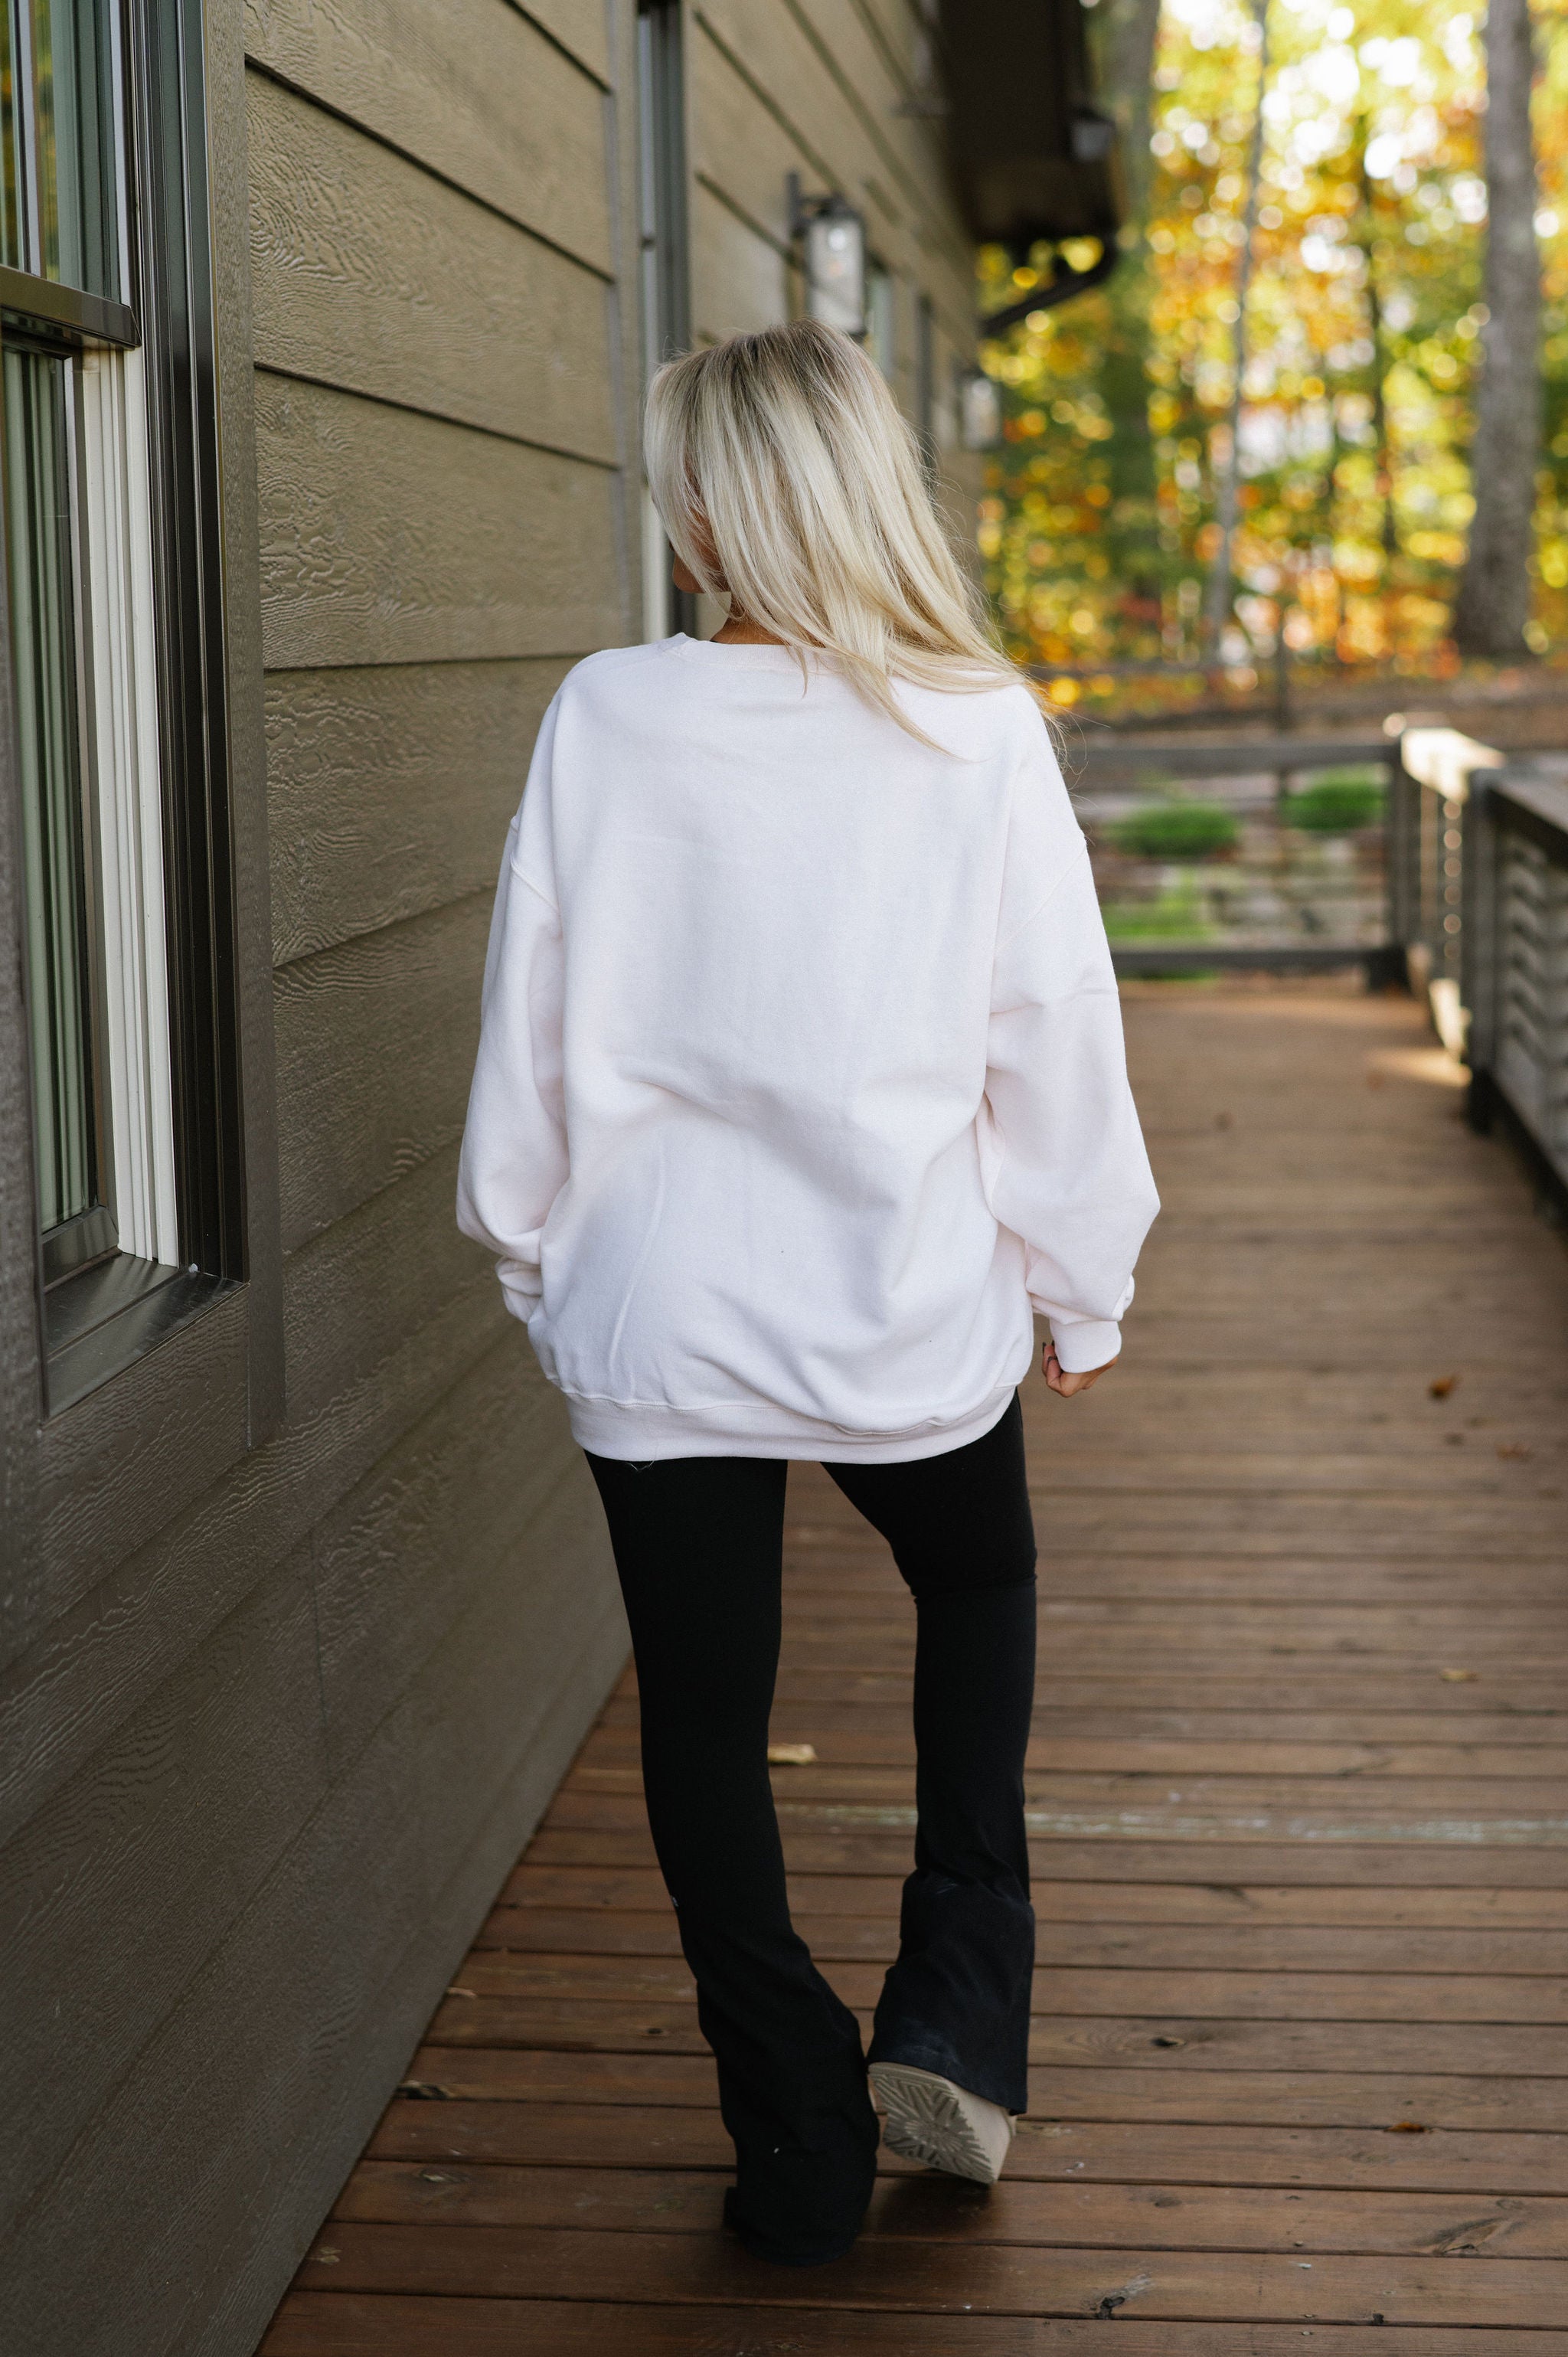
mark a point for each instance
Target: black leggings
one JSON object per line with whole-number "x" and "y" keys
{"x": 698, "y": 1544}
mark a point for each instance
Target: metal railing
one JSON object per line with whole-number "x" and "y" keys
{"x": 1476, "y": 847}
{"x": 1282, "y": 758}
{"x": 1477, "y": 850}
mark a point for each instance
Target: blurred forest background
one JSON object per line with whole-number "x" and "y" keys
{"x": 1150, "y": 526}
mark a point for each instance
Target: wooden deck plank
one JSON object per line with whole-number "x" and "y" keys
{"x": 310, "y": 2324}
{"x": 1125, "y": 1854}
{"x": 1301, "y": 2017}
{"x": 898, "y": 2274}
{"x": 1078, "y": 2214}
{"x": 1258, "y": 2096}
{"x": 634, "y": 1890}
{"x": 592, "y": 2135}
{"x": 580, "y": 1933}
{"x": 1273, "y": 1992}
{"x": 1171, "y": 2042}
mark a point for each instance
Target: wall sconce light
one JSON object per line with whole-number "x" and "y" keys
{"x": 979, "y": 410}
{"x": 833, "y": 235}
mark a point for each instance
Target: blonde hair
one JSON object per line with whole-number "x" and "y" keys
{"x": 790, "y": 483}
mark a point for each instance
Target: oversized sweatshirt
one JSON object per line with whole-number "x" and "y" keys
{"x": 801, "y": 1083}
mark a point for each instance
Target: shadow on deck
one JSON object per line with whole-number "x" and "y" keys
{"x": 1299, "y": 1807}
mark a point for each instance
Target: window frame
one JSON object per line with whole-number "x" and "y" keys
{"x": 665, "y": 286}
{"x": 95, "y": 1320}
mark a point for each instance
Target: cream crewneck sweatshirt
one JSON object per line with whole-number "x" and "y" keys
{"x": 800, "y": 1079}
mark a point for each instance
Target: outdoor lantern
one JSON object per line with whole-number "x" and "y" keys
{"x": 980, "y": 411}
{"x": 834, "y": 235}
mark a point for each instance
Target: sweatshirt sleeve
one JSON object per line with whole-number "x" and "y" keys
{"x": 1067, "y": 1171}
{"x": 513, "y": 1162}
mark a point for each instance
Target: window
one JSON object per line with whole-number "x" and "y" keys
{"x": 666, "y": 296}
{"x": 115, "y": 628}
{"x": 926, "y": 379}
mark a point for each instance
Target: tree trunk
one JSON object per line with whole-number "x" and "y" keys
{"x": 1493, "y": 605}
{"x": 1128, "y": 30}
{"x": 1228, "y": 474}
{"x": 1368, "y": 237}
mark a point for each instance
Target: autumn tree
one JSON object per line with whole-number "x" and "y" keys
{"x": 1494, "y": 601}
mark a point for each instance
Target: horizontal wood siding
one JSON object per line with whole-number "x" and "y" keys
{"x": 390, "y": 788}
{"x": 369, "y": 274}
{"x": 392, "y": 537}
{"x": 474, "y": 89}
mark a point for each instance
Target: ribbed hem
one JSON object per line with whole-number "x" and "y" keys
{"x": 1086, "y": 1343}
{"x": 643, "y": 1436}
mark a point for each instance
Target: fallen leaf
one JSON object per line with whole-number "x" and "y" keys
{"x": 792, "y": 1755}
{"x": 1408, "y": 2127}
{"x": 1442, "y": 1386}
{"x": 1514, "y": 1449}
{"x": 423, "y": 2091}
{"x": 325, "y": 2256}
{"x": 1459, "y": 1677}
{"x": 1167, "y": 2041}
{"x": 462, "y": 1991}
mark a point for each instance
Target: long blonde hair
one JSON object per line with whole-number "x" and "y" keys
{"x": 790, "y": 483}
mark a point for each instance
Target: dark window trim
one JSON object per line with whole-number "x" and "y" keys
{"x": 114, "y": 1312}
{"x": 666, "y": 236}
{"x": 169, "y": 146}
{"x": 69, "y": 1249}
{"x": 97, "y": 1318}
{"x": 82, "y": 318}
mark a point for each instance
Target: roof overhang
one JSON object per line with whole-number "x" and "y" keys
{"x": 1033, "y": 157}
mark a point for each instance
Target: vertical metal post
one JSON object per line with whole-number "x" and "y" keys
{"x": 1401, "y": 832}
{"x": 666, "y": 254}
{"x": 1479, "y": 943}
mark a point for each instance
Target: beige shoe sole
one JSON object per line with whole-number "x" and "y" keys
{"x": 929, "y": 2118}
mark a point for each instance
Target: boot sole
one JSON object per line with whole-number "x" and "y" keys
{"x": 929, "y": 2119}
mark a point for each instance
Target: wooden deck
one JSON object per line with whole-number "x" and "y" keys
{"x": 1299, "y": 1806}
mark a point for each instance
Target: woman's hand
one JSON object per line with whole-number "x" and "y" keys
{"x": 1069, "y": 1386}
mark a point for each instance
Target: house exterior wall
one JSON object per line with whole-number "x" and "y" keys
{"x": 842, "y": 92}
{"x": 304, "y": 1614}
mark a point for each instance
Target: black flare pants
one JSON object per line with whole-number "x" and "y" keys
{"x": 698, "y": 1544}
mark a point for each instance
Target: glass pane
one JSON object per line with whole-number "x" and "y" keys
{"x": 38, "y": 556}
{"x": 77, "y": 158}
{"x": 10, "y": 220}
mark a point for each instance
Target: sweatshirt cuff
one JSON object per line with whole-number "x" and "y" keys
{"x": 1084, "y": 1343}
{"x": 521, "y": 1287}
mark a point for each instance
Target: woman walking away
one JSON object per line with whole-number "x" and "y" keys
{"x": 801, "y": 1085}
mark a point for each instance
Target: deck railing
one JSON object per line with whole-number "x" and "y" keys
{"x": 1477, "y": 855}
{"x": 1513, "y": 987}
{"x": 1429, "y": 797}
{"x": 1284, "y": 757}
{"x": 1478, "y": 895}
